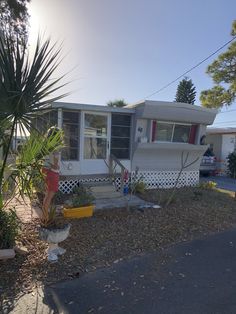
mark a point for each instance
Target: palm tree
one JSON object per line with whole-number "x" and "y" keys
{"x": 117, "y": 103}
{"x": 25, "y": 89}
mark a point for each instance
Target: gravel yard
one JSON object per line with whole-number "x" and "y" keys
{"x": 112, "y": 235}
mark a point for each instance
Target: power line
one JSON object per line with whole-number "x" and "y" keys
{"x": 192, "y": 68}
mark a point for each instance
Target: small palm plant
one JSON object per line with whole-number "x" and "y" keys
{"x": 26, "y": 86}
{"x": 27, "y": 168}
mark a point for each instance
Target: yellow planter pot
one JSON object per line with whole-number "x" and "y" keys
{"x": 80, "y": 212}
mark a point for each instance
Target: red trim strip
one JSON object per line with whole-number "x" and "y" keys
{"x": 192, "y": 135}
{"x": 154, "y": 126}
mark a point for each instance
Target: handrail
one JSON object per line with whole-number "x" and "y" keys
{"x": 111, "y": 169}
{"x": 117, "y": 161}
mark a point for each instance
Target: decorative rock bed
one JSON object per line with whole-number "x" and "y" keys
{"x": 116, "y": 234}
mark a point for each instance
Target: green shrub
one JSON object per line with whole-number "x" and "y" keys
{"x": 38, "y": 181}
{"x": 139, "y": 187}
{"x": 231, "y": 165}
{"x": 81, "y": 197}
{"x": 207, "y": 185}
{"x": 9, "y": 228}
{"x": 60, "y": 197}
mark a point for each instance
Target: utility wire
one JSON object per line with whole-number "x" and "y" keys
{"x": 194, "y": 67}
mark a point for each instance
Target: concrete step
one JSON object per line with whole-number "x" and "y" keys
{"x": 102, "y": 188}
{"x": 132, "y": 201}
{"x": 110, "y": 195}
{"x": 104, "y": 192}
{"x": 92, "y": 184}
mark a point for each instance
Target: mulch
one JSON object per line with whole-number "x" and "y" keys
{"x": 112, "y": 235}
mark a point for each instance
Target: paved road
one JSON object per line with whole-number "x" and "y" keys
{"x": 196, "y": 277}
{"x": 222, "y": 182}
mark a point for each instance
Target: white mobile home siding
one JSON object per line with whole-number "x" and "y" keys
{"x": 158, "y": 163}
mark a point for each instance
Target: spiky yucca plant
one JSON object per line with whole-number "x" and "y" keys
{"x": 26, "y": 86}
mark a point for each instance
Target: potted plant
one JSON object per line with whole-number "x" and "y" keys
{"x": 53, "y": 229}
{"x": 81, "y": 204}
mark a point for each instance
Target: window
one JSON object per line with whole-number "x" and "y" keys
{"x": 95, "y": 148}
{"x": 120, "y": 135}
{"x": 164, "y": 132}
{"x": 95, "y": 125}
{"x": 95, "y": 136}
{"x": 181, "y": 133}
{"x": 170, "y": 132}
{"x": 70, "y": 125}
{"x": 44, "y": 120}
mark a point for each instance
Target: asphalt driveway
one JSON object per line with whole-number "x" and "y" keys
{"x": 195, "y": 277}
{"x": 225, "y": 183}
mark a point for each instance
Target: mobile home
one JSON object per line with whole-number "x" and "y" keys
{"x": 154, "y": 137}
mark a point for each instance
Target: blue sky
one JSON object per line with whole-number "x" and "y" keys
{"x": 130, "y": 48}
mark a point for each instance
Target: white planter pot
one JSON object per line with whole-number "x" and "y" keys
{"x": 53, "y": 237}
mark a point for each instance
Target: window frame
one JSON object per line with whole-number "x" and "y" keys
{"x": 43, "y": 122}
{"x": 129, "y": 138}
{"x": 78, "y": 127}
{"x": 173, "y": 130}
{"x": 106, "y": 136}
{"x": 102, "y": 137}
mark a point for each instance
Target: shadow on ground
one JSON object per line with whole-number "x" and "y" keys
{"x": 194, "y": 277}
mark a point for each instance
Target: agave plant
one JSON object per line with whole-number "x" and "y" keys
{"x": 25, "y": 88}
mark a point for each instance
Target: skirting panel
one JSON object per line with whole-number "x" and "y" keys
{"x": 167, "y": 179}
{"x": 67, "y": 186}
{"x": 152, "y": 179}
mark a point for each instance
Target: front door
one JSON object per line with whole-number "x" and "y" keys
{"x": 95, "y": 148}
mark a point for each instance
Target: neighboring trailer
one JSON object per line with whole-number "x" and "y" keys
{"x": 222, "y": 142}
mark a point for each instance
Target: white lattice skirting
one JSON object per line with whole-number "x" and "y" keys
{"x": 152, "y": 179}
{"x": 167, "y": 179}
{"x": 67, "y": 186}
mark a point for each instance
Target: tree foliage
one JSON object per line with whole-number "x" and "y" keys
{"x": 25, "y": 88}
{"x": 231, "y": 164}
{"x": 30, "y": 158}
{"x": 223, "y": 74}
{"x": 9, "y": 228}
{"x": 117, "y": 103}
{"x": 186, "y": 91}
{"x": 14, "y": 19}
